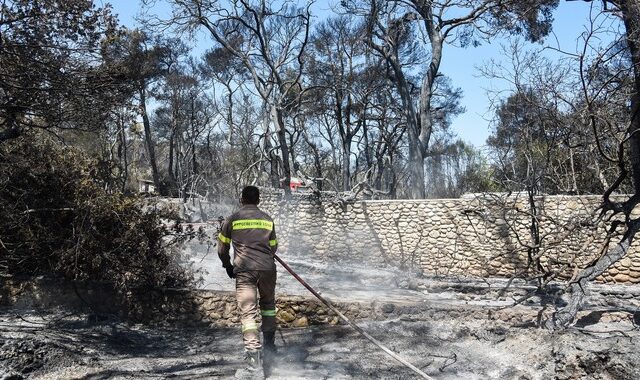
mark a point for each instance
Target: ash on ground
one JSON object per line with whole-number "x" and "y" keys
{"x": 53, "y": 346}
{"x": 449, "y": 328}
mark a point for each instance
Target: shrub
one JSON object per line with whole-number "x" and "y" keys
{"x": 58, "y": 218}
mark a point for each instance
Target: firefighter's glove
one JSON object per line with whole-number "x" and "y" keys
{"x": 230, "y": 271}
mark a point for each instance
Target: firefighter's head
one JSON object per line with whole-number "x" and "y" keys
{"x": 250, "y": 196}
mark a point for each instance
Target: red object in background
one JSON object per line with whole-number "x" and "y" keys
{"x": 295, "y": 183}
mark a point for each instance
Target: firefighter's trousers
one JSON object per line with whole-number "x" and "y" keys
{"x": 248, "y": 285}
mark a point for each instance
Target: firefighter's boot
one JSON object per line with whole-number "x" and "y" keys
{"x": 253, "y": 369}
{"x": 253, "y": 360}
{"x": 270, "y": 342}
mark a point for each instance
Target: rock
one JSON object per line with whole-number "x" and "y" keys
{"x": 621, "y": 278}
{"x": 613, "y": 317}
{"x": 301, "y": 322}
{"x": 634, "y": 274}
{"x": 500, "y": 222}
{"x": 388, "y": 308}
{"x": 286, "y": 316}
{"x": 625, "y": 262}
{"x": 229, "y": 308}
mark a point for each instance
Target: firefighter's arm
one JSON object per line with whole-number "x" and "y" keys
{"x": 273, "y": 241}
{"x": 224, "y": 244}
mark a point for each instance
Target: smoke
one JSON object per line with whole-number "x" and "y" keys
{"x": 312, "y": 353}
{"x": 343, "y": 263}
{"x": 203, "y": 254}
{"x": 340, "y": 258}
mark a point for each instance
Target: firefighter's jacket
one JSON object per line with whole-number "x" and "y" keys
{"x": 253, "y": 235}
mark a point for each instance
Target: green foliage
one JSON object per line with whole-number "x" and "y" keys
{"x": 537, "y": 146}
{"x": 459, "y": 169}
{"x": 530, "y": 18}
{"x": 50, "y": 71}
{"x": 526, "y": 141}
{"x": 58, "y": 218}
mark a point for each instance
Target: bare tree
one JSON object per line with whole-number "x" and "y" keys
{"x": 338, "y": 72}
{"x": 593, "y": 88}
{"x": 394, "y": 29}
{"x": 269, "y": 42}
{"x": 629, "y": 168}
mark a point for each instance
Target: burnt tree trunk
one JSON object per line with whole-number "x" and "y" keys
{"x": 416, "y": 152}
{"x": 172, "y": 177}
{"x": 122, "y": 153}
{"x": 564, "y": 317}
{"x": 317, "y": 161}
{"x": 631, "y": 17}
{"x": 346, "y": 164}
{"x": 148, "y": 139}
{"x": 276, "y": 114}
{"x": 272, "y": 164}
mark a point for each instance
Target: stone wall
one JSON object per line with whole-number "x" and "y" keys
{"x": 182, "y": 306}
{"x": 198, "y": 307}
{"x": 220, "y": 308}
{"x": 481, "y": 236}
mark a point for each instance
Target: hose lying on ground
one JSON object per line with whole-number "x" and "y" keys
{"x": 352, "y": 324}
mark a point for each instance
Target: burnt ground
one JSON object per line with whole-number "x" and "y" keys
{"x": 450, "y": 328}
{"x": 454, "y": 342}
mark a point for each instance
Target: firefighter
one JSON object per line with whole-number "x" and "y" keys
{"x": 253, "y": 235}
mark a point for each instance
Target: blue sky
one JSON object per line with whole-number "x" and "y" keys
{"x": 457, "y": 63}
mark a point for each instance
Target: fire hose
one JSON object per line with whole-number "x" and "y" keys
{"x": 352, "y": 324}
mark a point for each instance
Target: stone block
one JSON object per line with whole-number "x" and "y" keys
{"x": 634, "y": 274}
{"x": 301, "y": 322}
{"x": 620, "y": 277}
{"x": 625, "y": 262}
{"x": 286, "y": 316}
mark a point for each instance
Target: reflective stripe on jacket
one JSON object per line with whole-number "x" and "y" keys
{"x": 253, "y": 235}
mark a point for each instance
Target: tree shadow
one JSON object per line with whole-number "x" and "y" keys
{"x": 590, "y": 319}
